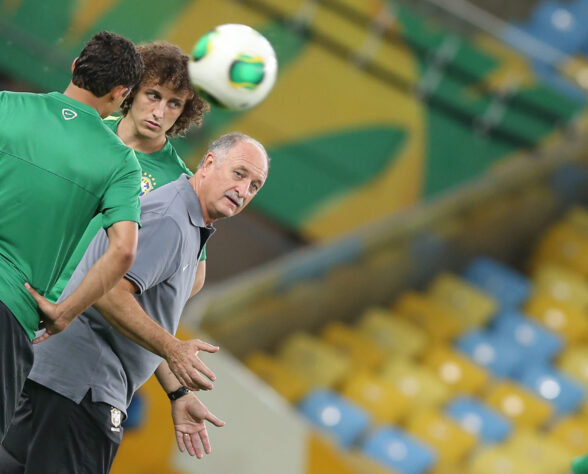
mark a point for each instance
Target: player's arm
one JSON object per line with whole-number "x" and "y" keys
{"x": 188, "y": 414}
{"x": 104, "y": 274}
{"x": 120, "y": 308}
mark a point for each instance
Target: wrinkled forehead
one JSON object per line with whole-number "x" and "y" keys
{"x": 248, "y": 156}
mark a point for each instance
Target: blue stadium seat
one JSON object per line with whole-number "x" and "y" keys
{"x": 398, "y": 450}
{"x": 557, "y": 24}
{"x": 479, "y": 419}
{"x": 492, "y": 351}
{"x": 509, "y": 287}
{"x": 135, "y": 412}
{"x": 536, "y": 342}
{"x": 564, "y": 393}
{"x": 335, "y": 415}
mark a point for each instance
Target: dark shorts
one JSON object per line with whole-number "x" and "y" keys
{"x": 50, "y": 434}
{"x": 16, "y": 360}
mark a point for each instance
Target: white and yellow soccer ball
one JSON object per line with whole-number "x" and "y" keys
{"x": 233, "y": 66}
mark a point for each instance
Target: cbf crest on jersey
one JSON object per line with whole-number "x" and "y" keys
{"x": 115, "y": 417}
{"x": 148, "y": 183}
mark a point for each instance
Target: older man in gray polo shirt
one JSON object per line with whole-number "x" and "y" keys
{"x": 83, "y": 379}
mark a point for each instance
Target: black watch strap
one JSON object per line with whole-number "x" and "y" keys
{"x": 180, "y": 392}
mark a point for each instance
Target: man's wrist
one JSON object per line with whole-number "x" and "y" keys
{"x": 179, "y": 393}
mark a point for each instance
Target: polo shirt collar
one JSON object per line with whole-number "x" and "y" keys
{"x": 192, "y": 202}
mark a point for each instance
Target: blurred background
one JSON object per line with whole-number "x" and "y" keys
{"x": 408, "y": 293}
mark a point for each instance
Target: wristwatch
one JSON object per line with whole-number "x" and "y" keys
{"x": 179, "y": 393}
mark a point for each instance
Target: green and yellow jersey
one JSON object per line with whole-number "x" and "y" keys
{"x": 158, "y": 168}
{"x": 59, "y": 167}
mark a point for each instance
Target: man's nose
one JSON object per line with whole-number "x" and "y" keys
{"x": 158, "y": 110}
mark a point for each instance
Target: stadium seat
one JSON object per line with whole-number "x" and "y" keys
{"x": 437, "y": 319}
{"x": 317, "y": 362}
{"x": 451, "y": 442}
{"x": 555, "y": 23}
{"x": 538, "y": 448}
{"x": 561, "y": 284}
{"x": 519, "y": 405}
{"x": 399, "y": 450}
{"x": 360, "y": 463}
{"x": 335, "y": 415}
{"x": 577, "y": 216}
{"x": 394, "y": 335}
{"x": 572, "y": 432}
{"x": 562, "y": 318}
{"x": 510, "y": 288}
{"x": 456, "y": 370}
{"x": 135, "y": 412}
{"x": 565, "y": 245}
{"x": 565, "y": 394}
{"x": 573, "y": 361}
{"x": 479, "y": 419}
{"x": 363, "y": 353}
{"x": 277, "y": 375}
{"x": 421, "y": 386}
{"x": 380, "y": 398}
{"x": 536, "y": 342}
{"x": 498, "y": 460}
{"x": 471, "y": 305}
{"x": 491, "y": 351}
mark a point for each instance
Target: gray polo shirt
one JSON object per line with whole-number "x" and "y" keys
{"x": 90, "y": 354}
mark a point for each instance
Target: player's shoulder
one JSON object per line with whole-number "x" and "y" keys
{"x": 177, "y": 159}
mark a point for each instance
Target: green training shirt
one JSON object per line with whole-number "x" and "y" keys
{"x": 158, "y": 168}
{"x": 59, "y": 167}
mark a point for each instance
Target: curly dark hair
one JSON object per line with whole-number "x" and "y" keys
{"x": 166, "y": 64}
{"x": 108, "y": 60}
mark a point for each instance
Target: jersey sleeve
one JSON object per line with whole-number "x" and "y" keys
{"x": 121, "y": 200}
{"x": 158, "y": 253}
{"x": 203, "y": 253}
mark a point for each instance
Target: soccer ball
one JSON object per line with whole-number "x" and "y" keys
{"x": 233, "y": 66}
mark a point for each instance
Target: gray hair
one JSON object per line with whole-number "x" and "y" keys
{"x": 221, "y": 146}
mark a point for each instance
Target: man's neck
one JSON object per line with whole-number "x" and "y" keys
{"x": 127, "y": 132}
{"x": 85, "y": 97}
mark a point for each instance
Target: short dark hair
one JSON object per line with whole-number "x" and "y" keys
{"x": 108, "y": 60}
{"x": 167, "y": 65}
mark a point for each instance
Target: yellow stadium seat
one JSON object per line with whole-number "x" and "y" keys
{"x": 417, "y": 383}
{"x": 524, "y": 408}
{"x": 536, "y": 447}
{"x": 571, "y": 432}
{"x": 282, "y": 379}
{"x": 437, "y": 319}
{"x": 361, "y": 464}
{"x": 456, "y": 370}
{"x": 565, "y": 319}
{"x": 394, "y": 335}
{"x": 381, "y": 398}
{"x": 561, "y": 284}
{"x": 317, "y": 362}
{"x": 363, "y": 353}
{"x": 451, "y": 442}
{"x": 574, "y": 362}
{"x": 577, "y": 216}
{"x": 563, "y": 244}
{"x": 473, "y": 307}
{"x": 498, "y": 460}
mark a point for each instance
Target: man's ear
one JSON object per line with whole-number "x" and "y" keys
{"x": 119, "y": 92}
{"x": 208, "y": 162}
{"x": 73, "y": 65}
